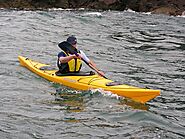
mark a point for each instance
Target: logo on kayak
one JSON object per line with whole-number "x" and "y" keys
{"x": 69, "y": 80}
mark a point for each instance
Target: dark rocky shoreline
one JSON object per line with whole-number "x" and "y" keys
{"x": 168, "y": 7}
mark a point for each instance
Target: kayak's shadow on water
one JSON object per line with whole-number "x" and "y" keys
{"x": 69, "y": 100}
{"x": 133, "y": 104}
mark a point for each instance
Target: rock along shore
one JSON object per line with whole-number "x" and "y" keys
{"x": 168, "y": 7}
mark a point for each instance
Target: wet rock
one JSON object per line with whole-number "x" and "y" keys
{"x": 97, "y": 4}
{"x": 108, "y": 2}
{"x": 166, "y": 10}
{"x": 169, "y": 7}
{"x": 35, "y": 4}
{"x": 183, "y": 13}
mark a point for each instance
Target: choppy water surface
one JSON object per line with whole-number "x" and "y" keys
{"x": 137, "y": 49}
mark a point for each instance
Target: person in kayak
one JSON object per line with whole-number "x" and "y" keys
{"x": 71, "y": 63}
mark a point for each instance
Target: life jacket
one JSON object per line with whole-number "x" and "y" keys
{"x": 74, "y": 65}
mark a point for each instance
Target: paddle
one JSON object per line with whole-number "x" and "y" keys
{"x": 69, "y": 48}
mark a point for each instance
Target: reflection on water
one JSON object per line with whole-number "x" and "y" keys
{"x": 69, "y": 100}
{"x": 133, "y": 104}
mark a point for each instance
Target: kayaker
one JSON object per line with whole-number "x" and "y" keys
{"x": 72, "y": 63}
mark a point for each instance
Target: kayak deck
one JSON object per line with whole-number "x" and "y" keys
{"x": 87, "y": 82}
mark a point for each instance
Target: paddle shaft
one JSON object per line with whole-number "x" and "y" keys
{"x": 92, "y": 67}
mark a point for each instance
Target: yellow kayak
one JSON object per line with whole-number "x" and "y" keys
{"x": 87, "y": 81}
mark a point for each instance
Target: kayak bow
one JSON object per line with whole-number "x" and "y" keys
{"x": 90, "y": 81}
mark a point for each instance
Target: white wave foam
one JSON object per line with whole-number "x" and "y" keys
{"x": 147, "y": 13}
{"x": 183, "y": 16}
{"x": 94, "y": 14}
{"x": 61, "y": 9}
{"x": 129, "y": 10}
{"x": 105, "y": 93}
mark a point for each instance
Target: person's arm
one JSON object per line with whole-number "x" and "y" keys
{"x": 97, "y": 70}
{"x": 92, "y": 64}
{"x": 68, "y": 58}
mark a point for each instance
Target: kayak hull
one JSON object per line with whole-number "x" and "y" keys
{"x": 89, "y": 82}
